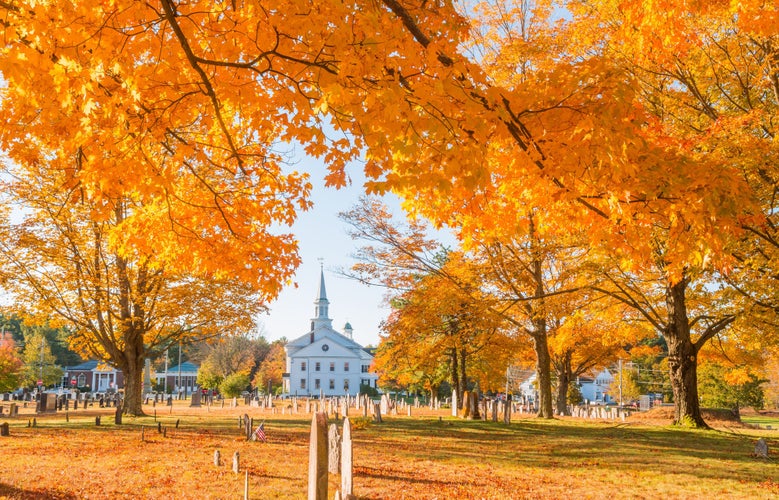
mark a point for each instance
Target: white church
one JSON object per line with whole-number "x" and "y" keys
{"x": 324, "y": 361}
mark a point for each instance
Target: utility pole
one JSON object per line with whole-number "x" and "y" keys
{"x": 179, "y": 384}
{"x": 43, "y": 341}
{"x": 620, "y": 382}
{"x": 165, "y": 383}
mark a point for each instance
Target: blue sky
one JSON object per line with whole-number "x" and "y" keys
{"x": 322, "y": 235}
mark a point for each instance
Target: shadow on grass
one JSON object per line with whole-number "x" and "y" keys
{"x": 536, "y": 443}
{"x": 15, "y": 493}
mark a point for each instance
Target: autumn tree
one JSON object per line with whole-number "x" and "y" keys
{"x": 272, "y": 367}
{"x": 237, "y": 354}
{"x": 472, "y": 116}
{"x": 39, "y": 362}
{"x": 60, "y": 261}
{"x": 10, "y": 364}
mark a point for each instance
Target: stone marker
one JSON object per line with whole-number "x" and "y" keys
{"x": 317, "y": 458}
{"x": 761, "y": 448}
{"x": 377, "y": 412}
{"x": 195, "y": 401}
{"x": 217, "y": 460}
{"x": 346, "y": 461}
{"x": 454, "y": 402}
{"x": 235, "y": 462}
{"x": 4, "y": 430}
{"x": 334, "y": 450}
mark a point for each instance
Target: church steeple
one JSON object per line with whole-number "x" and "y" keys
{"x": 321, "y": 303}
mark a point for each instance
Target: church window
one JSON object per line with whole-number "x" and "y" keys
{"x": 332, "y": 366}
{"x": 82, "y": 380}
{"x": 364, "y": 368}
{"x": 317, "y": 366}
{"x": 302, "y": 383}
{"x": 332, "y": 384}
{"x": 302, "y": 366}
{"x": 346, "y": 366}
{"x": 316, "y": 383}
{"x": 346, "y": 385}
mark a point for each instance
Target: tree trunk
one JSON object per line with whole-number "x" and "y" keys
{"x": 133, "y": 361}
{"x": 564, "y": 376}
{"x": 543, "y": 374}
{"x": 682, "y": 359}
{"x": 455, "y": 377}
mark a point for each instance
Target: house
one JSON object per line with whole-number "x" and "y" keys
{"x": 182, "y": 376}
{"x": 325, "y": 361}
{"x": 596, "y": 389}
{"x": 95, "y": 376}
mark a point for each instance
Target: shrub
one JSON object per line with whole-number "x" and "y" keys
{"x": 233, "y": 385}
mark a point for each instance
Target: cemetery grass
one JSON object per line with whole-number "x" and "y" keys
{"x": 418, "y": 457}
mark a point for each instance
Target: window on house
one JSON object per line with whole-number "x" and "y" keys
{"x": 302, "y": 383}
{"x": 332, "y": 366}
{"x": 364, "y": 368}
{"x": 346, "y": 366}
{"x": 302, "y": 366}
{"x": 82, "y": 380}
{"x": 364, "y": 381}
{"x": 332, "y": 384}
{"x": 317, "y": 366}
{"x": 346, "y": 385}
{"x": 316, "y": 383}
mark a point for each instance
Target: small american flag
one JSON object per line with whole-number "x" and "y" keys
{"x": 259, "y": 434}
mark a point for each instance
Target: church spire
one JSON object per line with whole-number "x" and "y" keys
{"x": 321, "y": 303}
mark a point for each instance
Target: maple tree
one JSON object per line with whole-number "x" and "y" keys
{"x": 472, "y": 116}
{"x": 39, "y": 364}
{"x": 59, "y": 262}
{"x": 272, "y": 367}
{"x": 10, "y": 364}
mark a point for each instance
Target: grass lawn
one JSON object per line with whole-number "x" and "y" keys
{"x": 421, "y": 457}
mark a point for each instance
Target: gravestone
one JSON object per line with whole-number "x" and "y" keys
{"x": 97, "y": 420}
{"x": 334, "y": 449}
{"x": 346, "y": 461}
{"x": 4, "y": 430}
{"x": 195, "y": 401}
{"x": 217, "y": 460}
{"x": 235, "y": 462}
{"x": 247, "y": 423}
{"x": 47, "y": 403}
{"x": 454, "y": 402}
{"x": 377, "y": 412}
{"x": 507, "y": 410}
{"x": 317, "y": 458}
{"x": 761, "y": 448}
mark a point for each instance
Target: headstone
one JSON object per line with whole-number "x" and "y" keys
{"x": 14, "y": 410}
{"x": 4, "y": 430}
{"x": 454, "y": 402}
{"x": 247, "y": 425}
{"x": 761, "y": 448}
{"x": 346, "y": 461}
{"x": 494, "y": 410}
{"x": 97, "y": 420}
{"x": 235, "y": 462}
{"x": 195, "y": 401}
{"x": 217, "y": 460}
{"x": 507, "y": 410}
{"x": 466, "y": 409}
{"x": 334, "y": 449}
{"x": 377, "y": 412}
{"x": 317, "y": 458}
